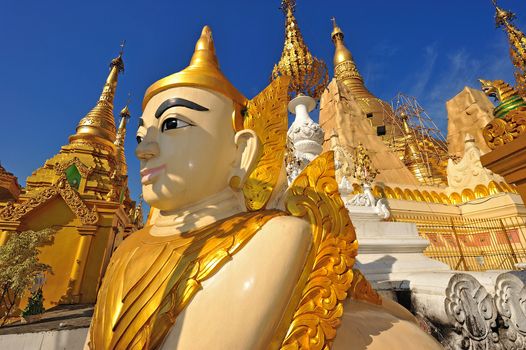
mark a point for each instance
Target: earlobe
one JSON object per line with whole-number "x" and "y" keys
{"x": 248, "y": 153}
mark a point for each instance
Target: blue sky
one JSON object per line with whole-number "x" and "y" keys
{"x": 55, "y": 55}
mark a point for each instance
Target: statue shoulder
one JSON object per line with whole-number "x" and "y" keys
{"x": 287, "y": 228}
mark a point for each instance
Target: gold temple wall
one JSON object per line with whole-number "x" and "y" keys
{"x": 473, "y": 230}
{"x": 79, "y": 253}
{"x": 474, "y": 244}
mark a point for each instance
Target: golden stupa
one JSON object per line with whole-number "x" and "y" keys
{"x": 82, "y": 192}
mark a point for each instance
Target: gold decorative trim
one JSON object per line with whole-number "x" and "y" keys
{"x": 88, "y": 217}
{"x": 84, "y": 171}
{"x": 347, "y": 70}
{"x": 480, "y": 191}
{"x": 314, "y": 196}
{"x": 267, "y": 116}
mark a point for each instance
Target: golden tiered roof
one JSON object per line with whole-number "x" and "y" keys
{"x": 81, "y": 191}
{"x": 309, "y": 75}
{"x": 517, "y": 41}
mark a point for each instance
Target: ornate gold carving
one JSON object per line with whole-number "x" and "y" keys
{"x": 84, "y": 171}
{"x": 498, "y": 89}
{"x": 502, "y": 131}
{"x": 364, "y": 170}
{"x": 361, "y": 289}
{"x": 510, "y": 114}
{"x": 467, "y": 194}
{"x": 346, "y": 70}
{"x": 62, "y": 188}
{"x": 267, "y": 116}
{"x": 309, "y": 75}
{"x": 138, "y": 310}
{"x": 314, "y": 196}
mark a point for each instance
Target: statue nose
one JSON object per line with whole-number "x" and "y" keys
{"x": 147, "y": 150}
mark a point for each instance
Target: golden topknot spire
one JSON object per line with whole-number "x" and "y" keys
{"x": 308, "y": 74}
{"x": 203, "y": 71}
{"x": 517, "y": 41}
{"x": 99, "y": 124}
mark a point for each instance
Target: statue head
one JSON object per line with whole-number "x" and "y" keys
{"x": 192, "y": 143}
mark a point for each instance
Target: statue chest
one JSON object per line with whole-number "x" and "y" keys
{"x": 150, "y": 280}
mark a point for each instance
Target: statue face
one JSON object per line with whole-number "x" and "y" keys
{"x": 186, "y": 146}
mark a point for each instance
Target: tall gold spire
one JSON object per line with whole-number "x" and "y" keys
{"x": 345, "y": 71}
{"x": 99, "y": 125}
{"x": 344, "y": 66}
{"x": 119, "y": 141}
{"x": 308, "y": 74}
{"x": 517, "y": 41}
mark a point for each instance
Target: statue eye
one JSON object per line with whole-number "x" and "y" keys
{"x": 139, "y": 138}
{"x": 173, "y": 123}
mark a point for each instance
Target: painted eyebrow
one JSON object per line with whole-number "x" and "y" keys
{"x": 178, "y": 102}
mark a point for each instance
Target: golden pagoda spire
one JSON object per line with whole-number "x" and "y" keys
{"x": 99, "y": 125}
{"x": 119, "y": 141}
{"x": 517, "y": 41}
{"x": 308, "y": 74}
{"x": 345, "y": 69}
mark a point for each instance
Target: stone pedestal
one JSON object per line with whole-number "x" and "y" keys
{"x": 391, "y": 251}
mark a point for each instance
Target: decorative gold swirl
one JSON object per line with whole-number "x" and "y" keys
{"x": 267, "y": 116}
{"x": 88, "y": 217}
{"x": 314, "y": 196}
{"x": 502, "y": 131}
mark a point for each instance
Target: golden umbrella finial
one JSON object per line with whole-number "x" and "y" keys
{"x": 308, "y": 74}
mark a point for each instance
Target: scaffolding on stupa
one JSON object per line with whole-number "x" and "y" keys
{"x": 421, "y": 147}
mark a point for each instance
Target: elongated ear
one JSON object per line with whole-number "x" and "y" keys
{"x": 248, "y": 153}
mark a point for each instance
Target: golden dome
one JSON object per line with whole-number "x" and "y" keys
{"x": 203, "y": 71}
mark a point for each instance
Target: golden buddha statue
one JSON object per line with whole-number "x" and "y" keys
{"x": 233, "y": 260}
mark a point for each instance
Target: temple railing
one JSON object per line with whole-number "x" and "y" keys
{"x": 474, "y": 244}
